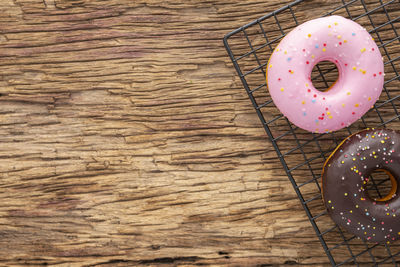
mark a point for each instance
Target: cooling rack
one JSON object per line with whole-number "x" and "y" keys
{"x": 249, "y": 48}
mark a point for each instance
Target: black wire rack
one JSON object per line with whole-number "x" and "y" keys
{"x": 249, "y": 48}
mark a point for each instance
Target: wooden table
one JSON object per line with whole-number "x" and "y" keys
{"x": 127, "y": 139}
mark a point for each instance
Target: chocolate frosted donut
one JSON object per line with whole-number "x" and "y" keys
{"x": 344, "y": 179}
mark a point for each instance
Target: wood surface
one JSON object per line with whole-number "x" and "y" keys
{"x": 127, "y": 139}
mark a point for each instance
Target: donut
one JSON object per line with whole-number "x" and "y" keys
{"x": 345, "y": 175}
{"x": 358, "y": 60}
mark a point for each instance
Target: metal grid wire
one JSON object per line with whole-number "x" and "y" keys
{"x": 249, "y": 48}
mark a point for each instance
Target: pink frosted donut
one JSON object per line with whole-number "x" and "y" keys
{"x": 360, "y": 68}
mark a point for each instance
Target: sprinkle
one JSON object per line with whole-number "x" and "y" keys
{"x": 328, "y": 113}
{"x": 289, "y": 58}
{"x": 336, "y": 23}
{"x": 313, "y": 100}
{"x": 282, "y": 89}
{"x": 382, "y": 141}
{"x": 369, "y": 98}
{"x": 348, "y": 93}
{"x": 307, "y": 62}
{"x": 285, "y": 52}
{"x": 363, "y": 72}
{"x": 270, "y": 65}
{"x": 312, "y": 56}
{"x": 304, "y": 114}
{"x": 303, "y": 102}
{"x": 329, "y": 26}
{"x": 356, "y": 105}
{"x": 330, "y": 117}
{"x": 345, "y": 194}
{"x": 309, "y": 35}
{"x": 354, "y": 68}
{"x": 354, "y": 34}
{"x": 362, "y": 50}
{"x": 339, "y": 36}
{"x": 342, "y": 163}
{"x": 323, "y": 49}
{"x": 345, "y": 41}
{"x": 343, "y": 105}
{"x": 316, "y": 46}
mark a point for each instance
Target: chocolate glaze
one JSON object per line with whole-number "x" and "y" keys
{"x": 344, "y": 180}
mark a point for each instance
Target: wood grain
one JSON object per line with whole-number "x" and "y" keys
{"x": 127, "y": 139}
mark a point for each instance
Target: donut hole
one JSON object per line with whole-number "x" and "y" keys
{"x": 324, "y": 75}
{"x": 381, "y": 185}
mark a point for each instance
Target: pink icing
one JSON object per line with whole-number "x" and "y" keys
{"x": 360, "y": 67}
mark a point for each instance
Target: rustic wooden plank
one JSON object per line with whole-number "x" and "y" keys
{"x": 127, "y": 139}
